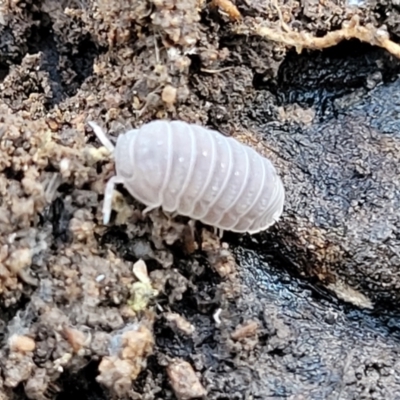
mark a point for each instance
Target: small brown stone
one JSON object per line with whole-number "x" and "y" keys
{"x": 180, "y": 323}
{"x": 245, "y": 330}
{"x": 168, "y": 94}
{"x": 75, "y": 338}
{"x": 19, "y": 259}
{"x": 53, "y": 125}
{"x": 184, "y": 381}
{"x": 21, "y": 344}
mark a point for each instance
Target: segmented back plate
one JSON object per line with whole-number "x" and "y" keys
{"x": 199, "y": 173}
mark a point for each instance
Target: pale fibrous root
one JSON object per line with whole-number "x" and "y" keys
{"x": 351, "y": 29}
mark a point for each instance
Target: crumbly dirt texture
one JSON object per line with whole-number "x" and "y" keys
{"x": 154, "y": 307}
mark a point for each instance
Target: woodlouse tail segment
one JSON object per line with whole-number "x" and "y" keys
{"x": 108, "y": 197}
{"x": 104, "y": 140}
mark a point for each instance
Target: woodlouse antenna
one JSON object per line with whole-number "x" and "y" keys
{"x": 104, "y": 140}
{"x": 109, "y": 191}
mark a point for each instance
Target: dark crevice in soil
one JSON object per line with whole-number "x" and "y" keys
{"x": 117, "y": 238}
{"x": 82, "y": 63}
{"x": 79, "y": 60}
{"x": 7, "y": 58}
{"x": 384, "y": 318}
{"x": 171, "y": 343}
{"x": 4, "y": 69}
{"x": 42, "y": 40}
{"x": 153, "y": 369}
{"x": 10, "y": 173}
{"x": 60, "y": 219}
{"x": 317, "y": 79}
{"x": 267, "y": 246}
{"x": 82, "y": 386}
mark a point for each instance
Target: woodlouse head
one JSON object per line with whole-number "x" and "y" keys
{"x": 124, "y": 161}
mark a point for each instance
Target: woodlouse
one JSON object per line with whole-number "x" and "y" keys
{"x": 196, "y": 172}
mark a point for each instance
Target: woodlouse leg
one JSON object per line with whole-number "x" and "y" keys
{"x": 108, "y": 196}
{"x": 148, "y": 209}
{"x": 104, "y": 140}
{"x": 169, "y": 215}
{"x": 218, "y": 232}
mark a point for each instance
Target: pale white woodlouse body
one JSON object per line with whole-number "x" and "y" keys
{"x": 196, "y": 172}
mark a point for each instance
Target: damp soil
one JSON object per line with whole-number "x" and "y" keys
{"x": 157, "y": 307}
